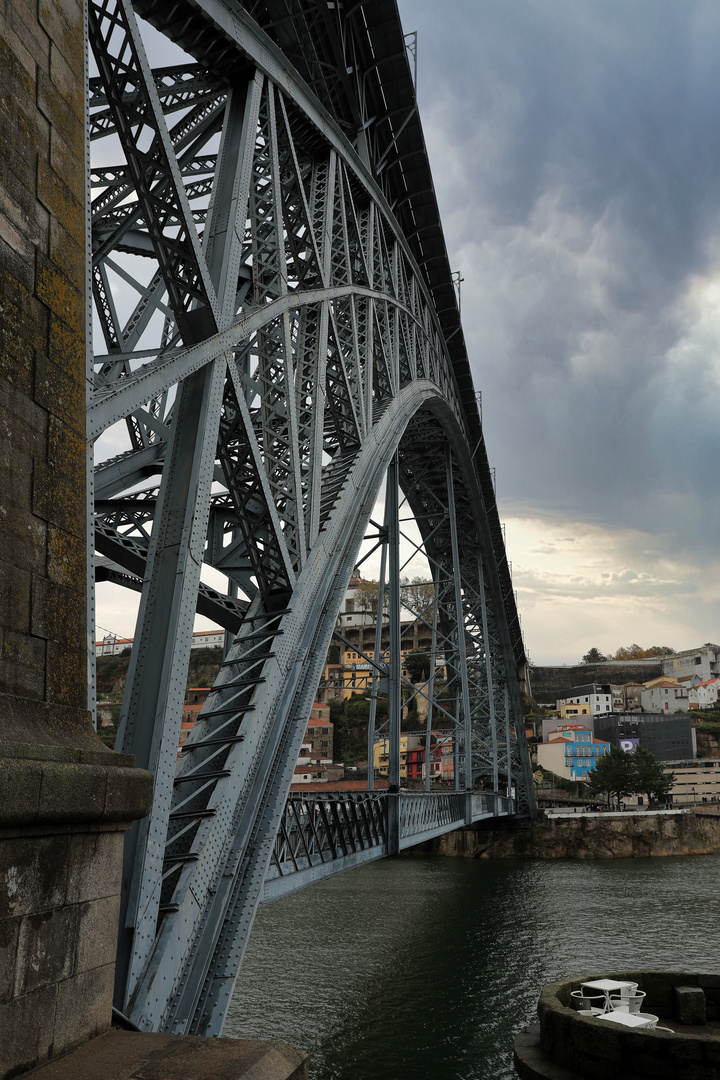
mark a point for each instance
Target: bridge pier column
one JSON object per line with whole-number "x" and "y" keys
{"x": 394, "y": 643}
{"x": 393, "y": 822}
{"x": 65, "y": 798}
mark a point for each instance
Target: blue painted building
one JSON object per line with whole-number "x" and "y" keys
{"x": 571, "y": 751}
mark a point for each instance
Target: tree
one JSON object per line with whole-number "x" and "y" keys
{"x": 594, "y": 656}
{"x": 365, "y": 596}
{"x": 333, "y": 653}
{"x": 613, "y": 775}
{"x": 635, "y": 652}
{"x": 418, "y": 596}
{"x": 648, "y": 775}
{"x": 621, "y": 773}
{"x": 417, "y": 665}
{"x": 629, "y": 652}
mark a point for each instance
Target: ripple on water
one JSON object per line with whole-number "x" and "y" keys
{"x": 426, "y": 967}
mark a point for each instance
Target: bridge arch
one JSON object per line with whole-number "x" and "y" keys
{"x": 278, "y": 334}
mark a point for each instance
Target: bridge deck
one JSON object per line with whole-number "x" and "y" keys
{"x": 325, "y": 833}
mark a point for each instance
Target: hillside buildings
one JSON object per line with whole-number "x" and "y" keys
{"x": 412, "y": 756}
{"x": 315, "y": 761}
{"x": 586, "y": 700}
{"x": 111, "y": 645}
{"x": 704, "y": 662}
{"x": 653, "y": 715}
{"x": 349, "y": 671}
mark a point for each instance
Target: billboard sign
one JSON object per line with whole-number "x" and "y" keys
{"x": 629, "y": 745}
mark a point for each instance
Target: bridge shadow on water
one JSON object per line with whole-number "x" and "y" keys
{"x": 426, "y": 967}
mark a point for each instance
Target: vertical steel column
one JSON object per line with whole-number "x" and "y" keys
{"x": 89, "y": 385}
{"x": 316, "y": 457}
{"x": 460, "y": 625}
{"x": 394, "y": 662}
{"x": 488, "y": 673}
{"x": 431, "y": 676}
{"x": 152, "y": 706}
{"x": 229, "y": 638}
{"x": 374, "y": 686}
{"x": 507, "y": 741}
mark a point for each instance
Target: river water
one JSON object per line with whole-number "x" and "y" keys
{"x": 425, "y": 967}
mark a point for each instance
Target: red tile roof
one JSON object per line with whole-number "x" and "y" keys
{"x": 341, "y": 785}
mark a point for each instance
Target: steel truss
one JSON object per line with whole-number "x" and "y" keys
{"x": 279, "y": 330}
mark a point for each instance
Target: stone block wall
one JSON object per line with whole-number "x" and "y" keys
{"x": 43, "y": 649}
{"x": 62, "y": 817}
{"x": 65, "y": 799}
{"x": 547, "y": 684}
{"x": 58, "y": 924}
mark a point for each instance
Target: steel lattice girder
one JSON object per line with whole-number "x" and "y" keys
{"x": 281, "y": 342}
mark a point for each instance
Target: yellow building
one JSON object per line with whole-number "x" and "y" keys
{"x": 662, "y": 680}
{"x": 566, "y": 711}
{"x": 354, "y": 674}
{"x": 381, "y": 754}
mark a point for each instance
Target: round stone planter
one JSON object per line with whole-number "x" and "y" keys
{"x": 567, "y": 1045}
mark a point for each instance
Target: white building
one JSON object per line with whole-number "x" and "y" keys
{"x": 704, "y": 695}
{"x": 703, "y": 661}
{"x": 665, "y": 696}
{"x": 595, "y": 697}
{"x": 202, "y": 639}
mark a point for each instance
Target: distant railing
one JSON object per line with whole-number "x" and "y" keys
{"x": 421, "y": 812}
{"x": 482, "y": 805}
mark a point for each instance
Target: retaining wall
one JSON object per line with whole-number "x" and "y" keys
{"x": 588, "y": 836}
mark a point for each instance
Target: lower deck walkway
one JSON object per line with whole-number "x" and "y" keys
{"x": 325, "y": 833}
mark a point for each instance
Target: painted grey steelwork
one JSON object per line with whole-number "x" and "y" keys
{"x": 280, "y": 330}
{"x": 322, "y": 834}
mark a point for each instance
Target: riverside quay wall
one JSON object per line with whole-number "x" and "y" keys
{"x": 588, "y": 836}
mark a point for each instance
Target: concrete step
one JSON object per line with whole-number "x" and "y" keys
{"x": 123, "y": 1055}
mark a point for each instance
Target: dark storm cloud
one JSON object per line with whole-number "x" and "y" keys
{"x": 576, "y": 151}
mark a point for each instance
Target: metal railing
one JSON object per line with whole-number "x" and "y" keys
{"x": 322, "y": 833}
{"x": 320, "y": 828}
{"x": 433, "y": 812}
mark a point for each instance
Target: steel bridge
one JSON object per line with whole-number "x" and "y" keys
{"x": 277, "y": 343}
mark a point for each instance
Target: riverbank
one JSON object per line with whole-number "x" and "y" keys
{"x": 588, "y": 836}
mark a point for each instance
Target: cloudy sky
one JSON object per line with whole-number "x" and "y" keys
{"x": 576, "y": 151}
